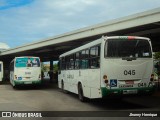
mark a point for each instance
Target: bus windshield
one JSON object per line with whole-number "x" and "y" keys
{"x": 136, "y": 48}
{"x": 27, "y": 62}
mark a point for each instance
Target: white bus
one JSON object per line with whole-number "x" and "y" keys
{"x": 118, "y": 65}
{"x": 25, "y": 70}
{"x": 1, "y": 71}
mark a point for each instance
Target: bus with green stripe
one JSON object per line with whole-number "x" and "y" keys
{"x": 25, "y": 70}
{"x": 1, "y": 72}
{"x": 109, "y": 66}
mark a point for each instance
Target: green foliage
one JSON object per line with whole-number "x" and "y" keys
{"x": 156, "y": 55}
{"x": 43, "y": 67}
{"x": 46, "y": 68}
{"x": 55, "y": 67}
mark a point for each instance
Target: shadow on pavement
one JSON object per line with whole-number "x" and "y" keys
{"x": 46, "y": 84}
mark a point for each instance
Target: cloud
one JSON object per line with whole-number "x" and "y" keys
{"x": 6, "y": 4}
{"x": 69, "y": 4}
{"x": 3, "y": 3}
{"x": 46, "y": 18}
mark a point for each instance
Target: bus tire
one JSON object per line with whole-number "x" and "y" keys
{"x": 62, "y": 85}
{"x": 13, "y": 85}
{"x": 80, "y": 93}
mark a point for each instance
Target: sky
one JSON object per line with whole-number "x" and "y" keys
{"x": 26, "y": 21}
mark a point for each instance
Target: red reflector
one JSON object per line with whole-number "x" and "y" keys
{"x": 131, "y": 37}
{"x": 129, "y": 82}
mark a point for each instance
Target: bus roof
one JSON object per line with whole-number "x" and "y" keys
{"x": 98, "y": 41}
{"x": 90, "y": 44}
{"x": 27, "y": 57}
{"x": 126, "y": 37}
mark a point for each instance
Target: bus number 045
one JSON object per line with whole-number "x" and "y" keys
{"x": 129, "y": 72}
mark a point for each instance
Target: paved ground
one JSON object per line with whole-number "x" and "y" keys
{"x": 49, "y": 98}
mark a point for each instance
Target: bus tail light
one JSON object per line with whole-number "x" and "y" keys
{"x": 131, "y": 37}
{"x": 152, "y": 77}
{"x": 105, "y": 79}
{"x": 15, "y": 76}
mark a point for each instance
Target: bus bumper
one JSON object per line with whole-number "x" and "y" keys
{"x": 27, "y": 82}
{"x": 127, "y": 92}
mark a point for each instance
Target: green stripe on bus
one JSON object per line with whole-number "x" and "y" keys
{"x": 23, "y": 82}
{"x": 106, "y": 92}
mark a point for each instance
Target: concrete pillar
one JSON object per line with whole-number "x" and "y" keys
{"x": 51, "y": 64}
{"x": 51, "y": 70}
{"x": 6, "y": 74}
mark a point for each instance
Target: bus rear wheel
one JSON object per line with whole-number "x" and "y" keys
{"x": 80, "y": 93}
{"x": 14, "y": 85}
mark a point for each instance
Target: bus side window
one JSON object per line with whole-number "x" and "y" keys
{"x": 62, "y": 63}
{"x": 95, "y": 57}
{"x": 85, "y": 59}
{"x": 72, "y": 62}
{"x": 77, "y": 62}
{"x": 67, "y": 62}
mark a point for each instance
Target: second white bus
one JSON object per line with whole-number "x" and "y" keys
{"x": 118, "y": 65}
{"x": 25, "y": 70}
{"x": 1, "y": 71}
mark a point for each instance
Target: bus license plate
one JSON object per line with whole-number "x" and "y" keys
{"x": 28, "y": 82}
{"x": 129, "y": 91}
{"x": 28, "y": 73}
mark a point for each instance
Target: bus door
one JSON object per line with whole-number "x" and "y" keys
{"x": 71, "y": 73}
{"x": 83, "y": 77}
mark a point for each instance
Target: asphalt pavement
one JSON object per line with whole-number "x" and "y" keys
{"x": 49, "y": 97}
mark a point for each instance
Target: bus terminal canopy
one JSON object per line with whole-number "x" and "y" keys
{"x": 145, "y": 24}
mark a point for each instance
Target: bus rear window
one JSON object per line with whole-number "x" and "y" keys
{"x": 27, "y": 62}
{"x": 128, "y": 48}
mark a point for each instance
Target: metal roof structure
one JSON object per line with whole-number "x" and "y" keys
{"x": 146, "y": 24}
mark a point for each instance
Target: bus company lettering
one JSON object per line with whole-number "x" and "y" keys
{"x": 70, "y": 76}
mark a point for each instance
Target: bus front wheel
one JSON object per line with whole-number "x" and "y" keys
{"x": 80, "y": 93}
{"x": 62, "y": 85}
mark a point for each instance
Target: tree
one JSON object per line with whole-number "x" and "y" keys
{"x": 156, "y": 55}
{"x": 55, "y": 67}
{"x": 43, "y": 67}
